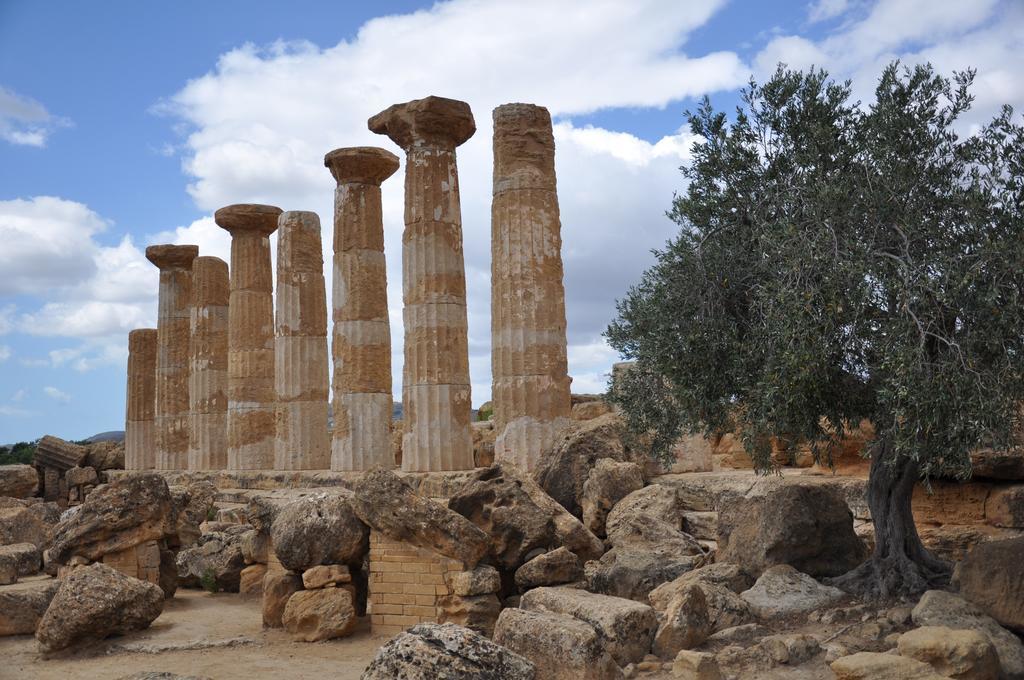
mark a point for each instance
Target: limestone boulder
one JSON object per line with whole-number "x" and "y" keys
{"x": 1007, "y": 464}
{"x": 876, "y": 666}
{"x": 720, "y": 584}
{"x": 278, "y": 588}
{"x": 256, "y": 547}
{"x": 192, "y": 504}
{"x": 1004, "y": 506}
{"x": 560, "y": 647}
{"x": 103, "y": 456}
{"x": 496, "y": 503}
{"x": 483, "y": 443}
{"x": 483, "y": 580}
{"x": 114, "y": 517}
{"x": 250, "y": 580}
{"x": 964, "y": 654}
{"x": 215, "y": 558}
{"x": 96, "y": 601}
{"x": 783, "y": 591}
{"x": 18, "y": 481}
{"x": 321, "y": 528}
{"x": 953, "y": 542}
{"x": 323, "y": 614}
{"x": 939, "y": 608}
{"x": 691, "y": 665}
{"x": 809, "y": 527}
{"x": 27, "y": 524}
{"x": 656, "y": 500}
{"x": 22, "y": 606}
{"x": 569, "y": 530}
{"x": 549, "y": 569}
{"x": 19, "y": 559}
{"x": 685, "y": 623}
{"x": 992, "y": 577}
{"x": 386, "y": 503}
{"x": 479, "y": 613}
{"x": 608, "y": 483}
{"x": 626, "y": 627}
{"x": 325, "y": 576}
{"x": 260, "y": 513}
{"x": 431, "y": 651}
{"x": 80, "y": 476}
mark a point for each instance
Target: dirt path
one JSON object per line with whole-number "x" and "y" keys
{"x": 216, "y": 636}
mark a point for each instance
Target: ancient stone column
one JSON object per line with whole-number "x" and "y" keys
{"x": 435, "y": 378}
{"x": 208, "y": 365}
{"x": 140, "y": 402}
{"x": 361, "y": 345}
{"x": 300, "y": 346}
{"x": 530, "y": 378}
{"x": 172, "y": 418}
{"x": 251, "y": 411}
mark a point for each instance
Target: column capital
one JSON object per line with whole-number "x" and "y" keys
{"x": 362, "y": 164}
{"x": 169, "y": 256}
{"x": 248, "y": 217}
{"x": 432, "y": 121}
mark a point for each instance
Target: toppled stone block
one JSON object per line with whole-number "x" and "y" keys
{"x": 217, "y": 557}
{"x": 560, "y": 647}
{"x": 484, "y": 580}
{"x": 319, "y": 529}
{"x": 278, "y": 588}
{"x": 1004, "y": 507}
{"x": 18, "y": 481}
{"x": 23, "y": 605}
{"x": 783, "y": 591}
{"x": 549, "y": 569}
{"x": 80, "y": 476}
{"x": 323, "y": 614}
{"x": 608, "y": 483}
{"x": 875, "y": 666}
{"x": 992, "y": 577}
{"x": 476, "y": 612}
{"x": 691, "y": 665}
{"x": 325, "y": 576}
{"x": 21, "y": 559}
{"x": 685, "y": 623}
{"x": 250, "y": 580}
{"x": 952, "y": 653}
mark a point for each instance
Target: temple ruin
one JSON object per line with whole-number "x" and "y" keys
{"x": 208, "y": 365}
{"x": 140, "y": 401}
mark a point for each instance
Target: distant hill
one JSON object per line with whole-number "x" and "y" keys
{"x": 111, "y": 436}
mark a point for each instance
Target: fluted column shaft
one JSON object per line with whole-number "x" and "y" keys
{"x": 140, "y": 402}
{"x": 208, "y": 365}
{"x": 300, "y": 346}
{"x": 435, "y": 378}
{"x": 530, "y": 380}
{"x": 361, "y": 346}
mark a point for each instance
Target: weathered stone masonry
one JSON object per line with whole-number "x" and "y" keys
{"x": 208, "y": 365}
{"x": 140, "y": 406}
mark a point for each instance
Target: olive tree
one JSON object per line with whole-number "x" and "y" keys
{"x": 839, "y": 262}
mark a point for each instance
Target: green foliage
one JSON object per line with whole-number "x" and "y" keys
{"x": 484, "y": 414}
{"x": 208, "y": 581}
{"x": 836, "y": 263}
{"x": 211, "y": 513}
{"x": 22, "y": 452}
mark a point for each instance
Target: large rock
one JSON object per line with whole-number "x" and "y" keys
{"x": 325, "y": 575}
{"x": 108, "y": 455}
{"x": 608, "y": 483}
{"x": 1004, "y": 506}
{"x": 324, "y": 614}
{"x": 1006, "y": 464}
{"x": 20, "y": 559}
{"x": 23, "y": 605}
{"x": 875, "y": 666}
{"x": 96, "y": 601}
{"x": 18, "y": 481}
{"x": 484, "y": 580}
{"x": 431, "y": 651}
{"x": 626, "y": 627}
{"x": 278, "y": 588}
{"x": 569, "y": 531}
{"x": 806, "y": 526}
{"x": 496, "y": 502}
{"x": 193, "y": 504}
{"x": 479, "y": 613}
{"x": 560, "y": 647}
{"x": 992, "y": 577}
{"x": 783, "y": 591}
{"x": 563, "y": 470}
{"x": 386, "y": 503}
{"x": 216, "y": 558}
{"x": 114, "y": 517}
{"x": 320, "y": 529}
{"x": 550, "y": 569}
{"x": 719, "y": 583}
{"x": 939, "y": 608}
{"x": 26, "y": 524}
{"x": 685, "y": 623}
{"x": 964, "y": 654}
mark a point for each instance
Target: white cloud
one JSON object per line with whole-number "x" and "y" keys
{"x": 5, "y": 353}
{"x": 57, "y": 395}
{"x": 24, "y": 121}
{"x": 19, "y": 395}
{"x": 823, "y": 10}
{"x": 14, "y": 412}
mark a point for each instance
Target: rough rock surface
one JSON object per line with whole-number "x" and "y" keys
{"x": 278, "y": 587}
{"x": 719, "y": 584}
{"x": 216, "y": 555}
{"x": 690, "y": 665}
{"x": 95, "y": 601}
{"x": 560, "y": 647}
{"x": 992, "y": 577}
{"x": 324, "y": 575}
{"x": 964, "y": 654}
{"x": 250, "y": 580}
{"x": 496, "y": 502}
{"x": 324, "y": 614}
{"x": 102, "y": 456}
{"x": 193, "y": 504}
{"x": 19, "y": 559}
{"x": 608, "y": 483}
{"x": 446, "y": 652}
{"x": 483, "y": 580}
{"x": 114, "y": 517}
{"x": 685, "y": 623}
{"x": 626, "y": 627}
{"x": 783, "y": 591}
{"x": 320, "y": 529}
{"x": 22, "y": 607}
{"x": 549, "y": 569}
{"x": 806, "y": 526}
{"x": 18, "y": 481}
{"x": 939, "y": 608}
{"x": 386, "y": 503}
{"x": 476, "y": 612}
{"x": 27, "y": 524}
{"x": 875, "y": 666}
{"x": 569, "y": 530}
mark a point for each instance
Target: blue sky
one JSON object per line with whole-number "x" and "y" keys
{"x": 125, "y": 123}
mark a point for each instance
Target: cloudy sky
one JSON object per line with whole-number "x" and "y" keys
{"x": 124, "y": 124}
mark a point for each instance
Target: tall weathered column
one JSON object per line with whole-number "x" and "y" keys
{"x": 250, "y": 336}
{"x": 361, "y": 346}
{"x": 208, "y": 365}
{"x": 140, "y": 401}
{"x": 530, "y": 379}
{"x": 300, "y": 346}
{"x": 435, "y": 379}
{"x": 172, "y": 418}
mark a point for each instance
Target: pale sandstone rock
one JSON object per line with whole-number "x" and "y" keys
{"x": 964, "y": 654}
{"x": 627, "y": 627}
{"x": 1004, "y": 507}
{"x": 321, "y": 528}
{"x": 171, "y": 416}
{"x": 560, "y": 647}
{"x": 549, "y": 569}
{"x": 476, "y": 612}
{"x": 588, "y": 410}
{"x": 80, "y": 476}
{"x": 950, "y": 502}
{"x": 608, "y": 482}
{"x": 105, "y": 455}
{"x": 783, "y": 591}
{"x": 18, "y": 481}
{"x": 208, "y": 365}
{"x": 278, "y": 587}
{"x": 96, "y": 601}
{"x": 569, "y": 531}
{"x": 691, "y": 665}
{"x": 953, "y": 542}
{"x": 685, "y": 624}
{"x": 216, "y": 555}
{"x": 324, "y": 614}
{"x": 325, "y": 575}
{"x": 446, "y": 652}
{"x": 20, "y": 559}
{"x": 990, "y": 464}
{"x": 192, "y": 505}
{"x": 250, "y": 580}
{"x": 701, "y": 525}
{"x": 140, "y": 412}
{"x": 875, "y": 666}
{"x": 719, "y": 584}
{"x": 23, "y": 605}
{"x": 992, "y": 577}
{"x": 483, "y": 580}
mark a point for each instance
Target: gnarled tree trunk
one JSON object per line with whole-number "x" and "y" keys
{"x": 901, "y": 565}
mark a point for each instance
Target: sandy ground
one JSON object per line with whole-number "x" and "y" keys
{"x": 227, "y": 625}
